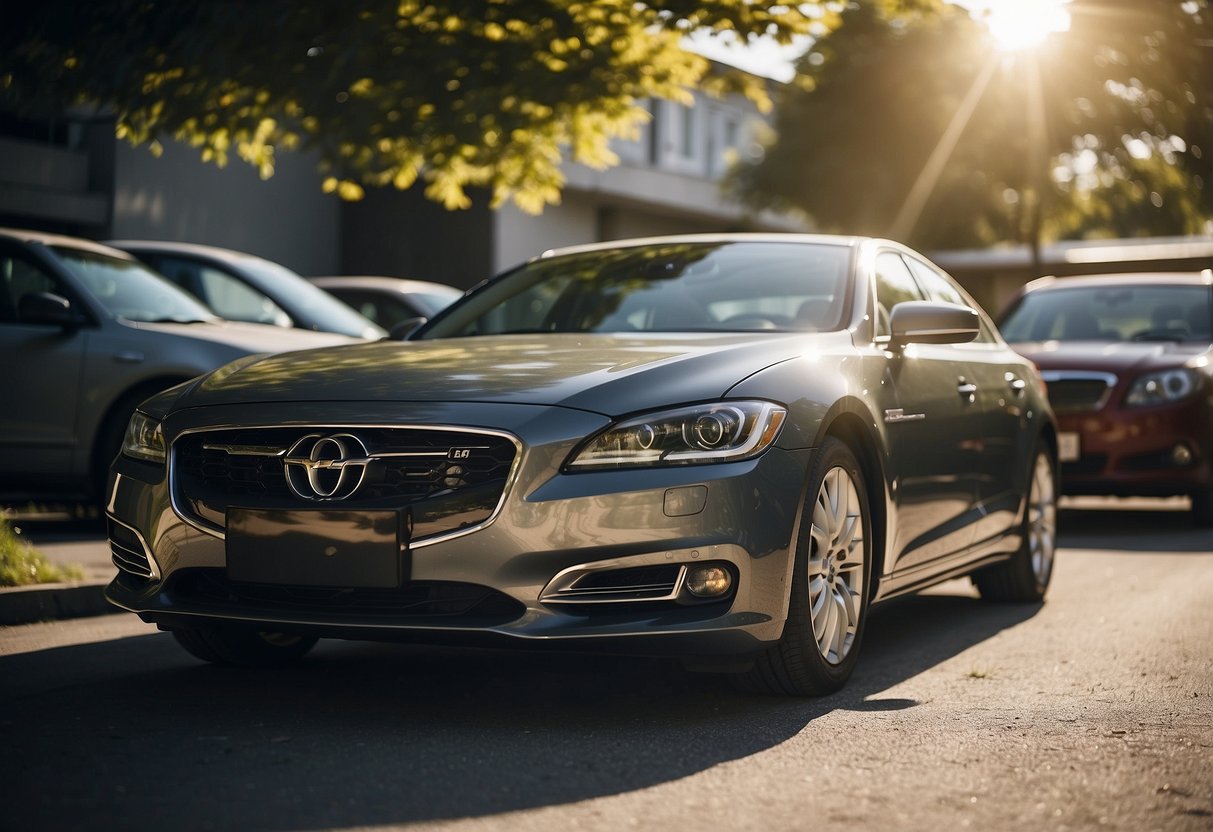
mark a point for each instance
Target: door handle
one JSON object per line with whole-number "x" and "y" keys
{"x": 967, "y": 390}
{"x": 1018, "y": 385}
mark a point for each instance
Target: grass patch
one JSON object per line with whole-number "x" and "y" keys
{"x": 21, "y": 564}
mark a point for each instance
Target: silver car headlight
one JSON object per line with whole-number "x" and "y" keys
{"x": 144, "y": 439}
{"x": 1163, "y": 387}
{"x": 715, "y": 432}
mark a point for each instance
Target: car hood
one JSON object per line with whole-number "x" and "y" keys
{"x": 608, "y": 374}
{"x": 250, "y": 338}
{"x": 1115, "y": 358}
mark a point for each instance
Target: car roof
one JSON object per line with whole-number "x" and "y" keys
{"x": 402, "y": 285}
{"x": 818, "y": 239}
{"x": 1203, "y": 278}
{"x": 47, "y": 239}
{"x": 226, "y": 255}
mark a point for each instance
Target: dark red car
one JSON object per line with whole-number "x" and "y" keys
{"x": 1128, "y": 359}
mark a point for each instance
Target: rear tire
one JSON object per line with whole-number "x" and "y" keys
{"x": 831, "y": 575}
{"x": 1025, "y": 577}
{"x": 243, "y": 646}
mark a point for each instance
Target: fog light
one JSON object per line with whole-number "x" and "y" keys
{"x": 709, "y": 581}
{"x": 1181, "y": 454}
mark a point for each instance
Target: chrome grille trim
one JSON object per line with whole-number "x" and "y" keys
{"x": 564, "y": 589}
{"x": 138, "y": 563}
{"x": 186, "y": 516}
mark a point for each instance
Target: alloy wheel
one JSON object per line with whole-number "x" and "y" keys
{"x": 836, "y": 564}
{"x": 1042, "y": 520}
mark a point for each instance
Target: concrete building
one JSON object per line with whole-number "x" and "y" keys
{"x": 76, "y": 178}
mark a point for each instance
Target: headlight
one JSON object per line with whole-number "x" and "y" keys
{"x": 717, "y": 432}
{"x": 1163, "y": 387}
{"x": 144, "y": 439}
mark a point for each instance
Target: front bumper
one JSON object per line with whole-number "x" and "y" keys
{"x": 503, "y": 584}
{"x": 1149, "y": 451}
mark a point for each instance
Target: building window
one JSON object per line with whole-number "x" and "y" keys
{"x": 687, "y": 139}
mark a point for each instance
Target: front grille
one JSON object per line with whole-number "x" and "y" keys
{"x": 1070, "y": 394}
{"x": 446, "y": 480}
{"x": 417, "y": 601}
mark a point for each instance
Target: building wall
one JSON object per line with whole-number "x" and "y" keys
{"x": 517, "y": 237}
{"x": 667, "y": 182}
{"x": 176, "y": 197}
{"x": 403, "y": 234}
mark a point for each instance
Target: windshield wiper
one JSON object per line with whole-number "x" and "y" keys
{"x": 177, "y": 321}
{"x": 1160, "y": 335}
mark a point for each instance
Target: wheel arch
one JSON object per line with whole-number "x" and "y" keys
{"x": 849, "y": 427}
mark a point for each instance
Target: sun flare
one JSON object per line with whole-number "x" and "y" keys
{"x": 1017, "y": 25}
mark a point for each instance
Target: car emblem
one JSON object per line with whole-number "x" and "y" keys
{"x": 326, "y": 467}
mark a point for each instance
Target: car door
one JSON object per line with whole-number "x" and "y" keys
{"x": 927, "y": 409}
{"x": 1000, "y": 378}
{"x": 42, "y": 369}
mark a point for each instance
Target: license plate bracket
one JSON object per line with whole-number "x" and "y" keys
{"x": 1069, "y": 446}
{"x": 316, "y": 547}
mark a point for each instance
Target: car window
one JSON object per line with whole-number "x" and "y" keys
{"x": 436, "y": 300}
{"x": 229, "y": 297}
{"x": 1111, "y": 313}
{"x": 325, "y": 310}
{"x": 129, "y": 289}
{"x": 940, "y": 288}
{"x": 19, "y": 276}
{"x": 385, "y": 310}
{"x": 894, "y": 284}
{"x": 726, "y": 286}
{"x": 238, "y": 301}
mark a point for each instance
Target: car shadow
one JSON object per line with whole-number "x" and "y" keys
{"x": 1132, "y": 526}
{"x": 134, "y": 732}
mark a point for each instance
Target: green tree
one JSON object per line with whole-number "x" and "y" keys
{"x": 451, "y": 93}
{"x": 917, "y": 128}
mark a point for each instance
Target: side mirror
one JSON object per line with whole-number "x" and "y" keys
{"x": 924, "y": 322}
{"x": 402, "y": 330}
{"x": 47, "y": 308}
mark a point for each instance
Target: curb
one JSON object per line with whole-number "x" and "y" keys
{"x": 50, "y": 602}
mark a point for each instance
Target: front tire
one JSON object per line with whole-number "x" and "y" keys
{"x": 1025, "y": 577}
{"x": 243, "y": 646}
{"x": 828, "y": 607}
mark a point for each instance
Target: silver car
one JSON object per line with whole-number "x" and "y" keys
{"x": 86, "y": 333}
{"x": 389, "y": 301}
{"x": 723, "y": 448}
{"x": 244, "y": 287}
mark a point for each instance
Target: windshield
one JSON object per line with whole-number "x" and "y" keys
{"x": 663, "y": 287}
{"x": 327, "y": 313}
{"x": 1111, "y": 313}
{"x": 130, "y": 290}
{"x": 435, "y": 300}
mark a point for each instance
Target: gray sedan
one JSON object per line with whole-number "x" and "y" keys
{"x": 723, "y": 448}
{"x": 86, "y": 333}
